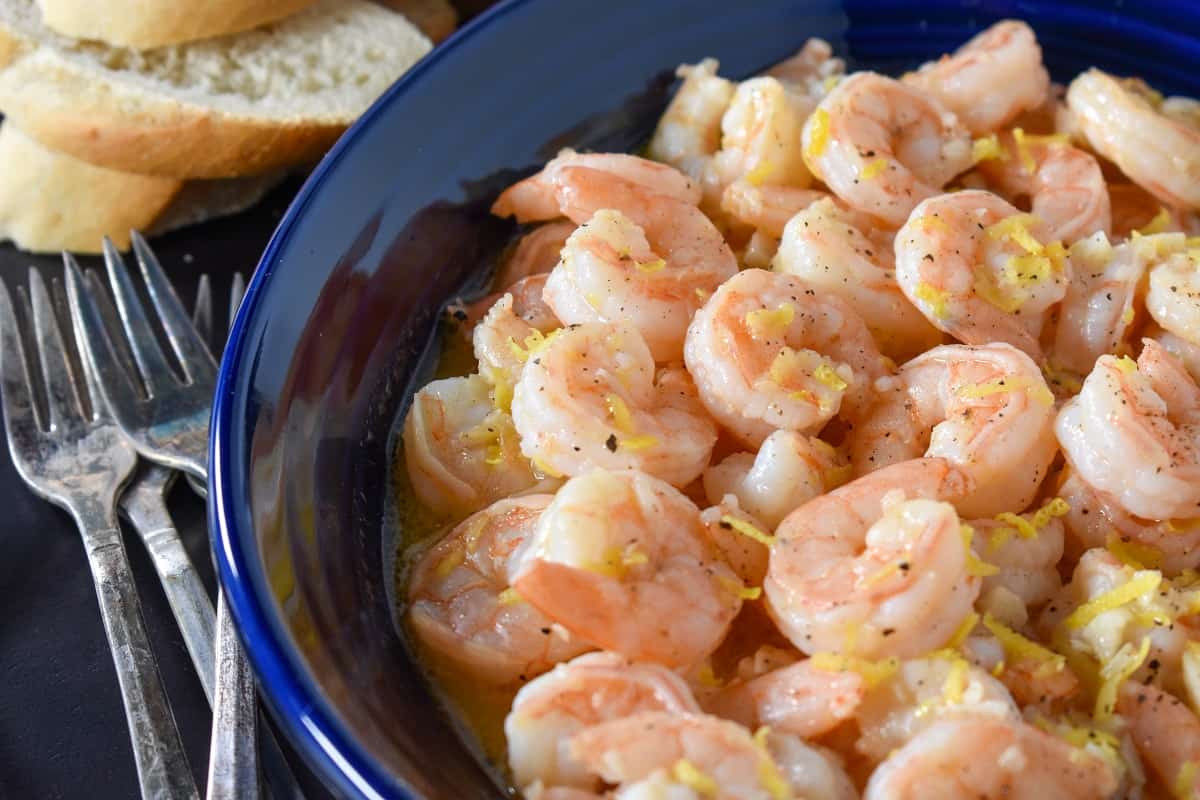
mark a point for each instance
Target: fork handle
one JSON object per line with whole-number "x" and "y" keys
{"x": 233, "y": 752}
{"x": 190, "y": 604}
{"x": 162, "y": 767}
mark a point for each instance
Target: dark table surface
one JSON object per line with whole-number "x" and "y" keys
{"x": 62, "y": 726}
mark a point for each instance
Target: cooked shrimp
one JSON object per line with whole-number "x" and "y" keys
{"x": 727, "y": 525}
{"x": 991, "y": 79}
{"x": 883, "y": 146}
{"x": 986, "y": 409}
{"x": 760, "y": 136}
{"x": 593, "y": 688}
{"x": 919, "y": 693}
{"x": 1026, "y": 549}
{"x": 1063, "y": 184}
{"x": 1159, "y": 153}
{"x": 622, "y": 560}
{"x": 689, "y": 750}
{"x": 861, "y": 571}
{"x": 1033, "y": 674}
{"x": 814, "y": 773}
{"x": 461, "y": 450}
{"x": 801, "y": 699}
{"x": 1173, "y": 293}
{"x": 1097, "y": 520}
{"x": 979, "y": 270}
{"x": 1098, "y": 310}
{"x": 812, "y": 69}
{"x": 461, "y": 607}
{"x": 1133, "y": 432}
{"x": 1187, "y": 351}
{"x": 537, "y": 252}
{"x": 589, "y": 396}
{"x": 767, "y": 208}
{"x": 538, "y": 197}
{"x": 788, "y": 470}
{"x": 1133, "y": 208}
{"x": 518, "y": 316}
{"x": 1167, "y": 735}
{"x": 768, "y": 353}
{"x": 842, "y": 253}
{"x": 689, "y": 132}
{"x": 983, "y": 756}
{"x": 651, "y": 264}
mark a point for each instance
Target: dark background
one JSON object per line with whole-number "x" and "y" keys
{"x": 62, "y": 726}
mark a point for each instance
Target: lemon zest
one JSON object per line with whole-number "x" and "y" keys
{"x": 519, "y": 353}
{"x": 1127, "y": 316}
{"x": 593, "y": 300}
{"x": 760, "y": 173}
{"x": 473, "y": 533}
{"x": 830, "y": 82}
{"x": 977, "y": 391}
{"x": 701, "y": 293}
{"x": 641, "y": 442}
{"x": 748, "y": 530}
{"x": 956, "y": 682}
{"x": 1126, "y": 365}
{"x": 998, "y": 670}
{"x": 987, "y": 148}
{"x": 1016, "y": 229}
{"x": 884, "y": 572}
{"x": 1134, "y": 554}
{"x": 689, "y": 775}
{"x": 768, "y": 772}
{"x": 931, "y": 222}
{"x": 765, "y": 321}
{"x": 616, "y": 561}
{"x": 1184, "y": 786}
{"x": 829, "y": 376}
{"x": 1141, "y": 584}
{"x": 449, "y": 562}
{"x": 619, "y": 413}
{"x": 1019, "y": 648}
{"x": 1063, "y": 377}
{"x": 837, "y": 476}
{"x": 1006, "y": 300}
{"x": 545, "y": 469}
{"x": 873, "y": 168}
{"x": 1115, "y": 672}
{"x": 650, "y": 267}
{"x": 818, "y": 137}
{"x": 976, "y": 567}
{"x": 1158, "y": 224}
{"x": 509, "y": 597}
{"x": 873, "y": 673}
{"x": 1027, "y": 162}
{"x": 708, "y": 678}
{"x": 936, "y": 299}
{"x": 963, "y": 631}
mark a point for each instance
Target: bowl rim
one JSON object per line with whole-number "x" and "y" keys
{"x": 311, "y": 724}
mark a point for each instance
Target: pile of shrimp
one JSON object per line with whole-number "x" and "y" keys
{"x": 846, "y": 445}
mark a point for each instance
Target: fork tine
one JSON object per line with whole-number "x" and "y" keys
{"x": 202, "y": 312}
{"x": 192, "y": 351}
{"x": 152, "y": 363}
{"x": 89, "y": 392}
{"x": 95, "y": 342}
{"x": 20, "y": 416}
{"x": 62, "y": 401}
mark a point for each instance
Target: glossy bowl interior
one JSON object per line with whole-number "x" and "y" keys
{"x": 328, "y": 345}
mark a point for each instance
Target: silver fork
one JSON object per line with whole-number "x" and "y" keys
{"x": 167, "y": 420}
{"x": 75, "y": 456}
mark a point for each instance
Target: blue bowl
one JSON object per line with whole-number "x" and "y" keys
{"x": 329, "y": 343}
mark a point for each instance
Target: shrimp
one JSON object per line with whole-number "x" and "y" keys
{"x": 860, "y": 570}
{"x": 1187, "y": 351}
{"x": 986, "y": 409}
{"x": 518, "y": 316}
{"x": 1133, "y": 208}
{"x": 883, "y": 146}
{"x": 622, "y": 560}
{"x": 590, "y": 689}
{"x": 538, "y": 197}
{"x": 1167, "y": 735}
{"x": 767, "y": 353}
{"x": 1173, "y": 287}
{"x": 1033, "y": 675}
{"x": 590, "y": 396}
{"x": 979, "y": 270}
{"x": 1063, "y": 183}
{"x": 461, "y": 607}
{"x": 1133, "y": 431}
{"x": 766, "y": 208}
{"x": 812, "y": 70}
{"x": 1096, "y": 520}
{"x": 536, "y": 252}
{"x": 726, "y": 524}
{"x": 461, "y": 450}
{"x": 991, "y": 79}
{"x": 842, "y": 253}
{"x": 718, "y": 759}
{"x": 1098, "y": 309}
{"x": 800, "y": 699}
{"x": 990, "y": 757}
{"x": 1157, "y": 152}
{"x": 689, "y": 131}
{"x": 760, "y": 136}
{"x": 789, "y": 470}
{"x": 1026, "y": 551}
{"x": 814, "y": 773}
{"x": 919, "y": 693}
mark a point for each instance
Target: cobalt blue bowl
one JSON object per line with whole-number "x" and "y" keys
{"x": 328, "y": 346}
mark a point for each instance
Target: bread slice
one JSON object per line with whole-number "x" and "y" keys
{"x": 144, "y": 24}
{"x": 234, "y": 105}
{"x": 437, "y": 19}
{"x": 51, "y": 202}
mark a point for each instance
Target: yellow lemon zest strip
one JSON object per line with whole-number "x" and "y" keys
{"x": 1141, "y": 584}
{"x": 873, "y": 168}
{"x": 746, "y": 529}
{"x": 689, "y": 775}
{"x": 1115, "y": 672}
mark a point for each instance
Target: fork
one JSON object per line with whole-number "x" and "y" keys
{"x": 166, "y": 417}
{"x": 75, "y": 456}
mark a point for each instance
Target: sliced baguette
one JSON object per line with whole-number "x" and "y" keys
{"x": 437, "y": 19}
{"x": 143, "y": 24}
{"x": 51, "y": 202}
{"x": 235, "y": 105}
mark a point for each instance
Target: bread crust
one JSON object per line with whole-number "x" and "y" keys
{"x": 143, "y": 24}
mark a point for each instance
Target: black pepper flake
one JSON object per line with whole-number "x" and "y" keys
{"x": 611, "y": 443}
